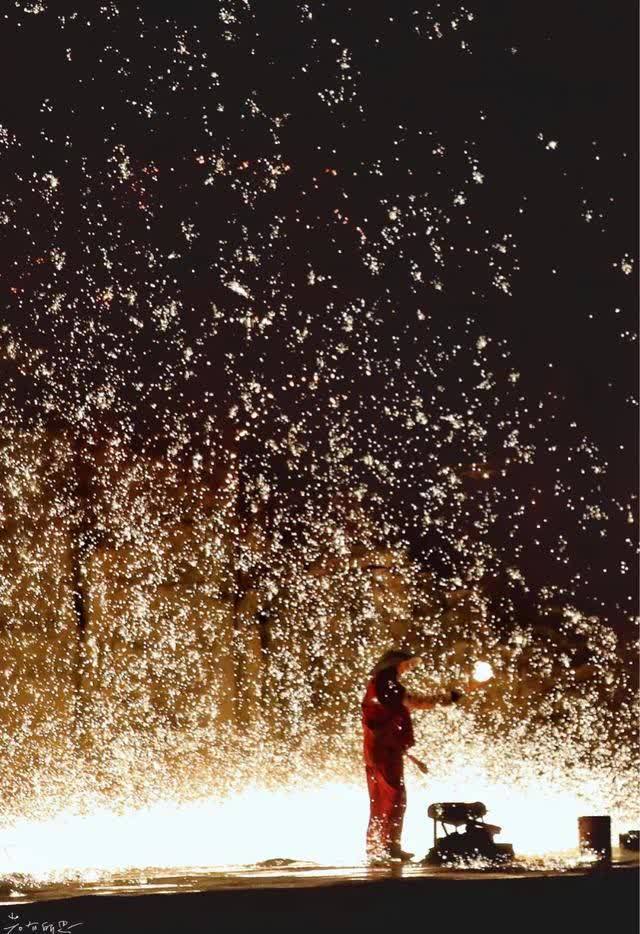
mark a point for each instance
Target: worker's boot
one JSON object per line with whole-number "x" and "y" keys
{"x": 396, "y": 852}
{"x": 379, "y": 855}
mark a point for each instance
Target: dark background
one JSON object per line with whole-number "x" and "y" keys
{"x": 564, "y": 70}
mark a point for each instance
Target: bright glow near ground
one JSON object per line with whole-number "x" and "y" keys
{"x": 324, "y": 824}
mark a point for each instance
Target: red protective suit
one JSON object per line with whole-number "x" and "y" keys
{"x": 388, "y": 732}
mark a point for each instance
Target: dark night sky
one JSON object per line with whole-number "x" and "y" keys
{"x": 417, "y": 106}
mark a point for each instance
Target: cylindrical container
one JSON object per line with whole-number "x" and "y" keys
{"x": 594, "y": 834}
{"x": 630, "y": 840}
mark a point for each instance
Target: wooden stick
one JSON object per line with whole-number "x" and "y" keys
{"x": 419, "y": 765}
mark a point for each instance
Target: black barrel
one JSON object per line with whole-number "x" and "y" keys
{"x": 594, "y": 834}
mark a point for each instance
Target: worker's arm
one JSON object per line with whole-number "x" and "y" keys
{"x": 429, "y": 701}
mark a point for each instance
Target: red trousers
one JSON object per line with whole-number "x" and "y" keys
{"x": 388, "y": 802}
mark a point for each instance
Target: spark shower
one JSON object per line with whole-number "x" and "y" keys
{"x": 305, "y": 325}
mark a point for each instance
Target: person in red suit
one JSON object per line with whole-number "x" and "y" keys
{"x": 388, "y": 734}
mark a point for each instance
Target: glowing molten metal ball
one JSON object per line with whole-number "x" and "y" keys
{"x": 482, "y": 671}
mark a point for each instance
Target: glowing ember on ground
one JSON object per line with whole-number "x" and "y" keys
{"x": 291, "y": 823}
{"x": 318, "y": 820}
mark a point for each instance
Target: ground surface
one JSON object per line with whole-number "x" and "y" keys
{"x": 300, "y": 898}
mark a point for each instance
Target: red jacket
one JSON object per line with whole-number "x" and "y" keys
{"x": 386, "y": 721}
